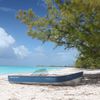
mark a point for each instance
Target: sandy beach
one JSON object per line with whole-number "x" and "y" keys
{"x": 47, "y": 92}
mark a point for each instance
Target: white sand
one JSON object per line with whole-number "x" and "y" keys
{"x": 39, "y": 92}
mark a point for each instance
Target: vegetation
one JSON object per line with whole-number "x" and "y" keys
{"x": 69, "y": 23}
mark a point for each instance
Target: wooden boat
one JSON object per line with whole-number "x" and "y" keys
{"x": 70, "y": 79}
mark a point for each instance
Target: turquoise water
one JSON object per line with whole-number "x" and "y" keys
{"x": 17, "y": 69}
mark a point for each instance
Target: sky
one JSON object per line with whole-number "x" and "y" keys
{"x": 18, "y": 49}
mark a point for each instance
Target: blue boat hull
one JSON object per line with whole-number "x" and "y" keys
{"x": 43, "y": 79}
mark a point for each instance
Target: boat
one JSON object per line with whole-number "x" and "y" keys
{"x": 71, "y": 79}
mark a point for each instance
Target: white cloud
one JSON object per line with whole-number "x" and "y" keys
{"x": 38, "y": 56}
{"x": 39, "y": 51}
{"x": 6, "y": 9}
{"x": 69, "y": 56}
{"x": 21, "y": 51}
{"x": 6, "y": 40}
{"x": 62, "y": 55}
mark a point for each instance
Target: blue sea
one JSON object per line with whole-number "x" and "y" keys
{"x": 24, "y": 69}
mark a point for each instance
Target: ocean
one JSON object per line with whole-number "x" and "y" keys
{"x": 24, "y": 69}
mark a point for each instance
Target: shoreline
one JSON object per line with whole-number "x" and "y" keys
{"x": 48, "y": 92}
